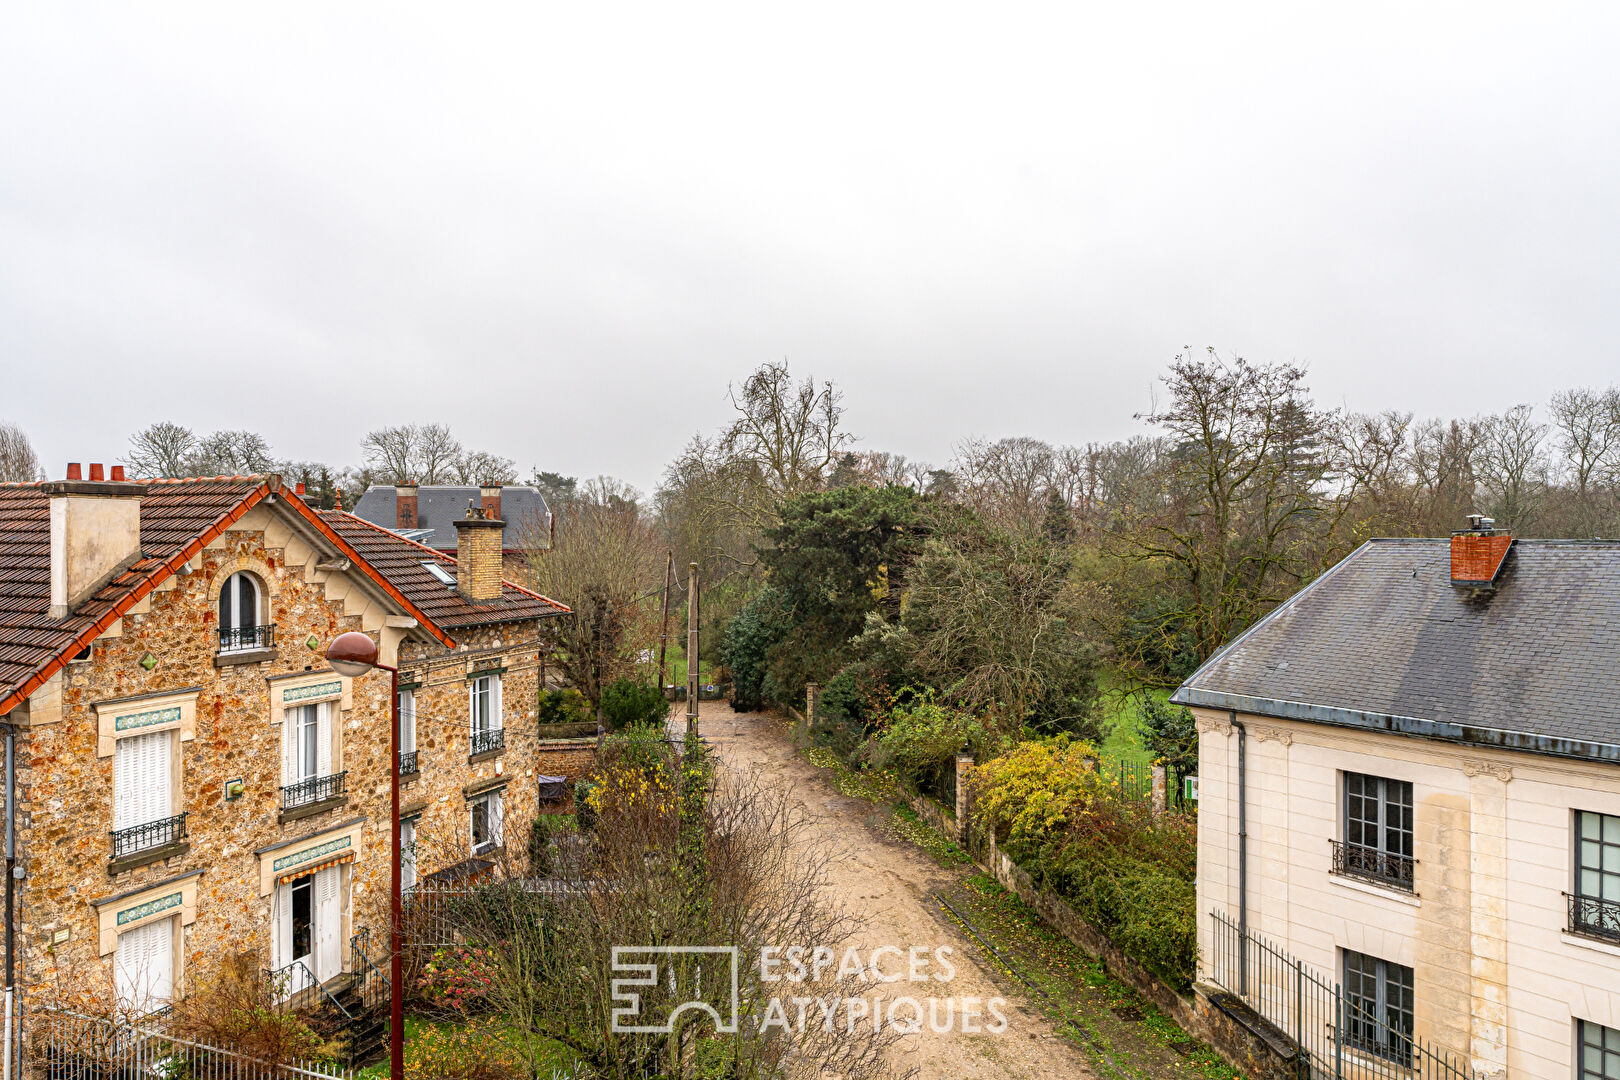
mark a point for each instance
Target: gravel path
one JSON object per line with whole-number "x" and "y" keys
{"x": 890, "y": 885}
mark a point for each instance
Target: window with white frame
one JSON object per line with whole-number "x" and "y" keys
{"x": 407, "y": 852}
{"x": 1377, "y": 844}
{"x": 1597, "y": 1050}
{"x": 407, "y": 732}
{"x": 486, "y": 812}
{"x": 143, "y": 966}
{"x": 307, "y": 756}
{"x": 241, "y": 625}
{"x": 143, "y": 794}
{"x": 484, "y": 708}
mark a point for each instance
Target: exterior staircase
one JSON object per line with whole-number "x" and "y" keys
{"x": 363, "y": 998}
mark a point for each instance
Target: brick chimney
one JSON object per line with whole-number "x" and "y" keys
{"x": 478, "y": 555}
{"x": 490, "y": 494}
{"x": 1477, "y": 552}
{"x": 95, "y": 533}
{"x": 405, "y": 506}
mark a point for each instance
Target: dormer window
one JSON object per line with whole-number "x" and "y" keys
{"x": 438, "y": 571}
{"x": 242, "y": 624}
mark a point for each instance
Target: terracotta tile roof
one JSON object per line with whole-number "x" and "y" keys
{"x": 178, "y": 518}
{"x": 405, "y": 563}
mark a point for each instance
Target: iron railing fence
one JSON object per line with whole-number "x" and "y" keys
{"x": 62, "y": 1045}
{"x": 487, "y": 741}
{"x": 1591, "y": 916}
{"x": 296, "y": 987}
{"x": 407, "y": 762}
{"x": 313, "y": 790}
{"x": 1332, "y": 1035}
{"x": 238, "y": 638}
{"x": 370, "y": 983}
{"x": 153, "y": 834}
{"x": 1373, "y": 864}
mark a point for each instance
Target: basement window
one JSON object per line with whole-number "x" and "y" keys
{"x": 438, "y": 571}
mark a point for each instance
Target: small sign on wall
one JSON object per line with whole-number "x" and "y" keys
{"x": 234, "y": 789}
{"x": 61, "y": 936}
{"x": 1191, "y": 788}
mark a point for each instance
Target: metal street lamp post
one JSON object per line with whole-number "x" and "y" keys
{"x": 353, "y": 654}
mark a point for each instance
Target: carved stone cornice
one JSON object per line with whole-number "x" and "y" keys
{"x": 1503, "y": 773}
{"x": 1272, "y": 734}
{"x": 1213, "y": 723}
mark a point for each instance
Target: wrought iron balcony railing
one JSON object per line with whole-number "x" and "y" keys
{"x": 315, "y": 789}
{"x": 1591, "y": 916}
{"x": 407, "y": 762}
{"x": 242, "y": 638}
{"x": 153, "y": 834}
{"x": 1372, "y": 864}
{"x": 488, "y": 741}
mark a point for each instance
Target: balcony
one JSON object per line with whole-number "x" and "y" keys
{"x": 313, "y": 795}
{"x": 407, "y": 763}
{"x": 163, "y": 833}
{"x": 487, "y": 743}
{"x": 245, "y": 645}
{"x": 1592, "y": 917}
{"x": 1374, "y": 865}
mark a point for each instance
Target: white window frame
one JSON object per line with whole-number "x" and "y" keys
{"x": 230, "y": 614}
{"x": 295, "y": 758}
{"x": 494, "y": 818}
{"x": 147, "y": 999}
{"x": 485, "y": 688}
{"x": 407, "y": 853}
{"x": 407, "y": 720}
{"x": 122, "y": 797}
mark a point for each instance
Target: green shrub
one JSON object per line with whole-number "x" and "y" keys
{"x": 628, "y": 703}
{"x": 542, "y": 831}
{"x": 744, "y": 649}
{"x": 1170, "y": 734}
{"x": 564, "y": 707}
{"x": 922, "y": 738}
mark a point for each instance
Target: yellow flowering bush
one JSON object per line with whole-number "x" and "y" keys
{"x": 473, "y": 1051}
{"x": 1036, "y": 791}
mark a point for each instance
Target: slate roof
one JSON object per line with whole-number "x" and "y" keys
{"x": 440, "y": 506}
{"x": 178, "y": 518}
{"x": 401, "y": 562}
{"x": 1385, "y": 640}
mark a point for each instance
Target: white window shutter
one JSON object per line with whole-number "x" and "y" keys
{"x": 494, "y": 703}
{"x": 141, "y": 779}
{"x": 497, "y": 816}
{"x": 472, "y": 705}
{"x": 289, "y": 747}
{"x": 144, "y": 966}
{"x": 323, "y": 739}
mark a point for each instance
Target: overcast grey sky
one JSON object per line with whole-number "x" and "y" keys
{"x": 564, "y": 227}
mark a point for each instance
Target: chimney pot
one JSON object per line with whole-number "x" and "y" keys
{"x": 97, "y": 473}
{"x": 118, "y": 474}
{"x": 298, "y": 489}
{"x": 75, "y": 471}
{"x": 490, "y": 495}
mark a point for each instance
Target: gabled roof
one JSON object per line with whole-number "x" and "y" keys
{"x": 406, "y": 563}
{"x": 440, "y": 506}
{"x": 178, "y": 519}
{"x": 1385, "y": 640}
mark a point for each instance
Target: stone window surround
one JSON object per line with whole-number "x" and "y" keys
{"x": 268, "y": 593}
{"x": 312, "y": 688}
{"x": 149, "y": 714}
{"x": 347, "y": 836}
{"x": 158, "y": 894}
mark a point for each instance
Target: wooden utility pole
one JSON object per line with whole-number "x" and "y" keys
{"x": 663, "y": 619}
{"x": 691, "y": 649}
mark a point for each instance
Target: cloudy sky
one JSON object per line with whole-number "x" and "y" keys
{"x": 563, "y": 228}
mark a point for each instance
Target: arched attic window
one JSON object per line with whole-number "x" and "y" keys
{"x": 241, "y": 614}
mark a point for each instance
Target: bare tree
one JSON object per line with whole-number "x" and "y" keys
{"x": 391, "y": 454}
{"x": 231, "y": 453}
{"x": 18, "y": 462}
{"x": 606, "y": 563}
{"x": 162, "y": 450}
{"x": 1588, "y": 425}
{"x": 437, "y": 452}
{"x": 482, "y": 467}
{"x": 1515, "y": 466}
{"x": 1006, "y": 480}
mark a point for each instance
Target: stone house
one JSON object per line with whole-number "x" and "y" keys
{"x": 1409, "y": 781}
{"x": 192, "y": 782}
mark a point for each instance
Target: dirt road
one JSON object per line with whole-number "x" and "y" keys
{"x": 890, "y": 885}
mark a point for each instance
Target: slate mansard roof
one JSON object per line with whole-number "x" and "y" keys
{"x": 440, "y": 506}
{"x": 178, "y": 519}
{"x": 1383, "y": 640}
{"x": 405, "y": 563}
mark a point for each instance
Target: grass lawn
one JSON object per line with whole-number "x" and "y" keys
{"x": 1121, "y": 722}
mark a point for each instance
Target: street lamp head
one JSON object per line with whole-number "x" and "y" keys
{"x": 352, "y": 653}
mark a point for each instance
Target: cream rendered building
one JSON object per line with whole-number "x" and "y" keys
{"x": 1410, "y": 787}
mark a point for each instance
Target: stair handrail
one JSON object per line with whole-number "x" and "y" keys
{"x": 286, "y": 972}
